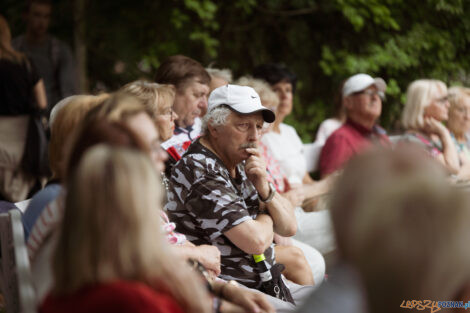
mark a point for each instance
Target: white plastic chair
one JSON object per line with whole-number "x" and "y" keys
{"x": 15, "y": 274}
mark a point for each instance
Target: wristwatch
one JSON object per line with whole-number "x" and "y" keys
{"x": 272, "y": 192}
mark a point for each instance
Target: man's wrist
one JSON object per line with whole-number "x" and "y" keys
{"x": 267, "y": 197}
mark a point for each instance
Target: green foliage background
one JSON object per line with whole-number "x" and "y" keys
{"x": 323, "y": 41}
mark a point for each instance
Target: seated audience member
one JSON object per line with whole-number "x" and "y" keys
{"x": 286, "y": 147}
{"x": 362, "y": 100}
{"x": 219, "y": 77}
{"x": 159, "y": 100}
{"x": 41, "y": 241}
{"x": 22, "y": 94}
{"x": 219, "y": 193}
{"x": 427, "y": 106}
{"x": 286, "y": 248}
{"x": 459, "y": 121}
{"x": 128, "y": 267}
{"x": 192, "y": 89}
{"x": 403, "y": 230}
{"x": 62, "y": 128}
{"x": 130, "y": 112}
{"x": 283, "y": 140}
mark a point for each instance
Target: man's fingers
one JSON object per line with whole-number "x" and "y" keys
{"x": 253, "y": 151}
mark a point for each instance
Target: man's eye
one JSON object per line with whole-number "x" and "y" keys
{"x": 243, "y": 126}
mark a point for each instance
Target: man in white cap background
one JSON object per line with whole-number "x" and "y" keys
{"x": 219, "y": 193}
{"x": 362, "y": 99}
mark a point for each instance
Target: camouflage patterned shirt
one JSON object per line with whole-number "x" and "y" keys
{"x": 205, "y": 202}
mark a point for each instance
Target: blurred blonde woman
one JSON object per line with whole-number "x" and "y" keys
{"x": 22, "y": 94}
{"x": 427, "y": 106}
{"x": 459, "y": 121}
{"x": 127, "y": 267}
{"x": 158, "y": 99}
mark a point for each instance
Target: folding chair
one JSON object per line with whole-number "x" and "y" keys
{"x": 15, "y": 275}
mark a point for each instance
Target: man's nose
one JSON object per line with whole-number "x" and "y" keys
{"x": 254, "y": 134}
{"x": 202, "y": 103}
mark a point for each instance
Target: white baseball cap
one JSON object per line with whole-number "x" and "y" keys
{"x": 242, "y": 99}
{"x": 359, "y": 82}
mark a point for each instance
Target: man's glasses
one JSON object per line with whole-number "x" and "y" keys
{"x": 371, "y": 93}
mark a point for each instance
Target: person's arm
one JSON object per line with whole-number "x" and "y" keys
{"x": 318, "y": 188}
{"x": 209, "y": 256}
{"x": 39, "y": 92}
{"x": 252, "y": 236}
{"x": 212, "y": 201}
{"x": 279, "y": 208}
{"x": 295, "y": 195}
{"x": 449, "y": 152}
{"x": 250, "y": 301}
{"x": 307, "y": 179}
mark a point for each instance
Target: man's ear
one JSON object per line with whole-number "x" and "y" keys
{"x": 213, "y": 130}
{"x": 347, "y": 103}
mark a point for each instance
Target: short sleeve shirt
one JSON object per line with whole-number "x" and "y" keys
{"x": 205, "y": 202}
{"x": 347, "y": 141}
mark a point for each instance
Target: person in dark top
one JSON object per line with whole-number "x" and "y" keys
{"x": 20, "y": 85}
{"x": 53, "y": 58}
{"x": 21, "y": 92}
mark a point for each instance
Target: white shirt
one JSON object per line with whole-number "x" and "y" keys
{"x": 287, "y": 148}
{"x": 327, "y": 127}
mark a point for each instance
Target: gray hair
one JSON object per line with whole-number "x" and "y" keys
{"x": 225, "y": 73}
{"x": 215, "y": 117}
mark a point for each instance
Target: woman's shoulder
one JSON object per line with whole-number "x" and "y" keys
{"x": 288, "y": 130}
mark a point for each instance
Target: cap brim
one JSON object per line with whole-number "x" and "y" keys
{"x": 380, "y": 84}
{"x": 268, "y": 115}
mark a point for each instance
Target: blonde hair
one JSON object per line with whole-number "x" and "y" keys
{"x": 6, "y": 49}
{"x": 419, "y": 95}
{"x": 456, "y": 97}
{"x": 152, "y": 95}
{"x": 119, "y": 107}
{"x": 263, "y": 89}
{"x": 66, "y": 121}
{"x": 457, "y": 94}
{"x": 407, "y": 232}
{"x": 132, "y": 246}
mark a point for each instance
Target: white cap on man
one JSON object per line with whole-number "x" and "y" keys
{"x": 242, "y": 99}
{"x": 359, "y": 82}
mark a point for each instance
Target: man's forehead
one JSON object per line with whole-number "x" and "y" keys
{"x": 196, "y": 83}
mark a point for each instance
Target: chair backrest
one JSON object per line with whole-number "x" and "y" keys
{"x": 15, "y": 274}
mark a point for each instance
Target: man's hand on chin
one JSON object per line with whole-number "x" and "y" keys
{"x": 255, "y": 169}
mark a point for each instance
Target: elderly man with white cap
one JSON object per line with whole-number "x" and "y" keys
{"x": 362, "y": 100}
{"x": 219, "y": 193}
